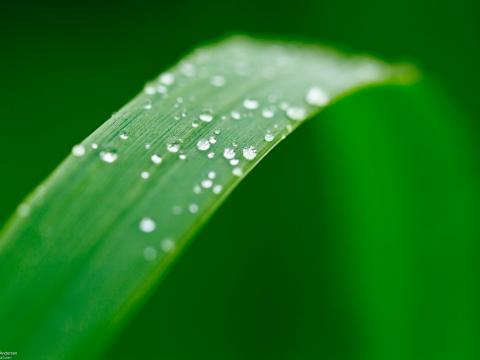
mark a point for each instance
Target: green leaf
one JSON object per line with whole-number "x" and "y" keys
{"x": 90, "y": 242}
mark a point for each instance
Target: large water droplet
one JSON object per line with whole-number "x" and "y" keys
{"x": 78, "y": 150}
{"x": 147, "y": 225}
{"x": 317, "y": 97}
{"x": 249, "y": 153}
{"x": 109, "y": 156}
{"x": 296, "y": 113}
{"x": 203, "y": 144}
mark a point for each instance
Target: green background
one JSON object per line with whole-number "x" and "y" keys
{"x": 356, "y": 239}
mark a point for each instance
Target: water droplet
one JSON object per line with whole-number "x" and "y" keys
{"x": 24, "y": 210}
{"x": 194, "y": 124}
{"x": 149, "y": 253}
{"x": 173, "y": 147}
{"x": 218, "y": 81}
{"x": 268, "y": 113}
{"x": 197, "y": 189}
{"x": 162, "y": 89}
{"x": 108, "y": 156}
{"x": 124, "y": 136}
{"x": 212, "y": 175}
{"x": 78, "y": 150}
{"x": 250, "y": 104}
{"x": 211, "y": 154}
{"x": 167, "y": 245}
{"x": 145, "y": 175}
{"x": 249, "y": 153}
{"x": 217, "y": 189}
{"x": 94, "y": 146}
{"x": 149, "y": 90}
{"x": 156, "y": 159}
{"x": 177, "y": 210}
{"x": 207, "y": 183}
{"x": 284, "y": 105}
{"x": 269, "y": 137}
{"x": 188, "y": 69}
{"x": 147, "y": 106}
{"x": 234, "y": 162}
{"x": 237, "y": 172}
{"x": 296, "y": 113}
{"x": 179, "y": 99}
{"x": 217, "y": 132}
{"x": 205, "y": 117}
{"x": 203, "y": 144}
{"x": 193, "y": 208}
{"x": 148, "y": 146}
{"x": 228, "y": 153}
{"x": 167, "y": 78}
{"x": 317, "y": 96}
{"x": 147, "y": 225}
{"x": 235, "y": 115}
{"x": 182, "y": 157}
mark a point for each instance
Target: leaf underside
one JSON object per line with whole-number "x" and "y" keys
{"x": 92, "y": 240}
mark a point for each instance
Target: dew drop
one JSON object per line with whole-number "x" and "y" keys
{"x": 207, "y": 183}
{"x": 156, "y": 159}
{"x": 217, "y": 189}
{"x": 194, "y": 124}
{"x": 167, "y": 245}
{"x": 161, "y": 89}
{"x": 197, "y": 189}
{"x": 205, "y": 117}
{"x": 269, "y": 137}
{"x": 147, "y": 106}
{"x": 203, "y": 144}
{"x": 182, "y": 157}
{"x": 149, "y": 253}
{"x": 234, "y": 162}
{"x": 212, "y": 175}
{"x": 235, "y": 115}
{"x": 237, "y": 172}
{"x": 317, "y": 96}
{"x": 148, "y": 146}
{"x": 24, "y": 210}
{"x": 212, "y": 140}
{"x": 145, "y": 175}
{"x": 193, "y": 208}
{"x": 177, "y": 210}
{"x": 147, "y": 225}
{"x": 268, "y": 113}
{"x": 124, "y": 136}
{"x": 218, "y": 81}
{"x": 228, "y": 153}
{"x": 249, "y": 153}
{"x": 78, "y": 150}
{"x": 149, "y": 90}
{"x": 217, "y": 132}
{"x": 296, "y": 113}
{"x": 94, "y": 146}
{"x": 167, "y": 78}
{"x": 250, "y": 104}
{"x": 211, "y": 154}
{"x": 108, "y": 156}
{"x": 173, "y": 147}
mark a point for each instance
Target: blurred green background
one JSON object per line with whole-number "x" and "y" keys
{"x": 356, "y": 239}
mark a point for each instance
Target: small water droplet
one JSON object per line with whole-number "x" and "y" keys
{"x": 217, "y": 189}
{"x": 147, "y": 106}
{"x": 124, "y": 136}
{"x": 250, "y": 104}
{"x": 161, "y": 89}
{"x": 203, "y": 144}
{"x": 194, "y": 124}
{"x": 148, "y": 146}
{"x": 218, "y": 81}
{"x": 193, "y": 208}
{"x": 268, "y": 113}
{"x": 156, "y": 159}
{"x": 211, "y": 154}
{"x": 167, "y": 78}
{"x": 145, "y": 175}
{"x": 149, "y": 90}
{"x": 234, "y": 162}
{"x": 237, "y": 172}
{"x": 182, "y": 157}
{"x": 296, "y": 113}
{"x": 147, "y": 225}
{"x": 197, "y": 189}
{"x": 235, "y": 115}
{"x": 205, "y": 117}
{"x": 249, "y": 153}
{"x": 217, "y": 132}
{"x": 173, "y": 147}
{"x": 212, "y": 175}
{"x": 94, "y": 146}
{"x": 108, "y": 156}
{"x": 316, "y": 96}
{"x": 212, "y": 140}
{"x": 78, "y": 150}
{"x": 177, "y": 210}
{"x": 149, "y": 253}
{"x": 269, "y": 137}
{"x": 228, "y": 153}
{"x": 207, "y": 183}
{"x": 167, "y": 245}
